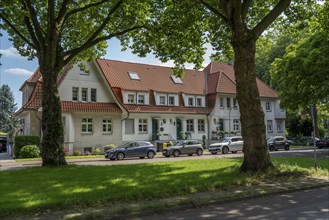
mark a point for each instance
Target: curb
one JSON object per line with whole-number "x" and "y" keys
{"x": 218, "y": 202}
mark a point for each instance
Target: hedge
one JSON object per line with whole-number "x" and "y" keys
{"x": 23, "y": 140}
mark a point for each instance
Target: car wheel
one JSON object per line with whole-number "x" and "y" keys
{"x": 271, "y": 148}
{"x": 112, "y": 158}
{"x": 320, "y": 147}
{"x": 213, "y": 152}
{"x": 120, "y": 156}
{"x": 199, "y": 152}
{"x": 176, "y": 153}
{"x": 141, "y": 157}
{"x": 234, "y": 152}
{"x": 150, "y": 154}
{"x": 225, "y": 150}
{"x": 190, "y": 154}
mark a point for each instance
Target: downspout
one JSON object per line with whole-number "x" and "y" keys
{"x": 207, "y": 111}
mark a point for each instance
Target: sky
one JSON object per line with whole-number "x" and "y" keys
{"x": 15, "y": 69}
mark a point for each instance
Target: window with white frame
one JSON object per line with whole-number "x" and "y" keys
{"x": 93, "y": 95}
{"x": 141, "y": 99}
{"x": 131, "y": 98}
{"x": 190, "y": 101}
{"x": 162, "y": 100}
{"x": 84, "y": 94}
{"x": 268, "y": 106}
{"x": 269, "y": 126}
{"x": 235, "y": 104}
{"x": 142, "y": 125}
{"x": 107, "y": 125}
{"x": 236, "y": 126}
{"x": 171, "y": 100}
{"x": 129, "y": 126}
{"x": 221, "y": 102}
{"x": 228, "y": 103}
{"x": 75, "y": 94}
{"x": 199, "y": 102}
{"x": 201, "y": 125}
{"x": 190, "y": 125}
{"x": 87, "y": 125}
{"x": 279, "y": 126}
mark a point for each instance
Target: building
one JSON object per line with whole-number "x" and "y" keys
{"x": 110, "y": 102}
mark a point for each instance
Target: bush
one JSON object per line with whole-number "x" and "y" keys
{"x": 76, "y": 153}
{"x": 87, "y": 153}
{"x": 67, "y": 151}
{"x": 97, "y": 151}
{"x": 23, "y": 140}
{"x": 204, "y": 141}
{"x": 110, "y": 146}
{"x": 29, "y": 151}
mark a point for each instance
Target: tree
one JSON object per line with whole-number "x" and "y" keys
{"x": 60, "y": 33}
{"x": 8, "y": 123}
{"x": 185, "y": 28}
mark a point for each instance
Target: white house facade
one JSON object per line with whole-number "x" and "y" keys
{"x": 110, "y": 102}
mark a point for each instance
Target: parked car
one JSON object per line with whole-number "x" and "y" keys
{"x": 323, "y": 142}
{"x": 277, "y": 142}
{"x": 139, "y": 149}
{"x": 292, "y": 140}
{"x": 227, "y": 144}
{"x": 308, "y": 140}
{"x": 188, "y": 147}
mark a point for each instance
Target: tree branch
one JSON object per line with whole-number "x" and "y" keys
{"x": 245, "y": 6}
{"x": 270, "y": 17}
{"x": 214, "y": 10}
{"x": 32, "y": 34}
{"x": 62, "y": 13}
{"x": 72, "y": 53}
{"x": 16, "y": 31}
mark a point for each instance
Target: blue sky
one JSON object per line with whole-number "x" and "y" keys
{"x": 16, "y": 69}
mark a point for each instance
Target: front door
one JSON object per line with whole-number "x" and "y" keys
{"x": 154, "y": 129}
{"x": 178, "y": 129}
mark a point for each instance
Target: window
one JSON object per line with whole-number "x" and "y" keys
{"x": 236, "y": 125}
{"x": 129, "y": 126}
{"x": 75, "y": 94}
{"x": 133, "y": 75}
{"x": 279, "y": 126}
{"x": 171, "y": 100}
{"x": 221, "y": 124}
{"x": 131, "y": 98}
{"x": 162, "y": 100}
{"x": 177, "y": 80}
{"x": 268, "y": 107}
{"x": 87, "y": 125}
{"x": 228, "y": 103}
{"x": 107, "y": 125}
{"x": 142, "y": 125}
{"x": 201, "y": 125}
{"x": 93, "y": 95}
{"x": 221, "y": 102}
{"x": 199, "y": 102}
{"x": 189, "y": 125}
{"x": 269, "y": 126}
{"x": 84, "y": 94}
{"x": 190, "y": 101}
{"x": 141, "y": 99}
{"x": 84, "y": 71}
{"x": 235, "y": 104}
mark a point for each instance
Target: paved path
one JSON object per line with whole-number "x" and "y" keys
{"x": 306, "y": 204}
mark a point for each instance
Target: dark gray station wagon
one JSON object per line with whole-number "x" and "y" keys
{"x": 188, "y": 147}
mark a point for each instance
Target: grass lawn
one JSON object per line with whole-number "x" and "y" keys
{"x": 66, "y": 157}
{"x": 40, "y": 189}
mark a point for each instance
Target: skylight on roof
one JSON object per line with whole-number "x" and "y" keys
{"x": 176, "y": 80}
{"x": 133, "y": 75}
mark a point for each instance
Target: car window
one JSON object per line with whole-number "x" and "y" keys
{"x": 224, "y": 140}
{"x": 234, "y": 139}
{"x": 240, "y": 139}
{"x": 279, "y": 139}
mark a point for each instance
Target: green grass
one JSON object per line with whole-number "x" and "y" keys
{"x": 35, "y": 190}
{"x": 66, "y": 157}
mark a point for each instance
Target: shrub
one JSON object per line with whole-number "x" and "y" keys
{"x": 29, "y": 151}
{"x": 110, "y": 146}
{"x": 204, "y": 141}
{"x": 67, "y": 151}
{"x": 97, "y": 151}
{"x": 76, "y": 153}
{"x": 87, "y": 153}
{"x": 23, "y": 140}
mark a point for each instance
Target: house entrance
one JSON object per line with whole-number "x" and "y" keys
{"x": 178, "y": 129}
{"x": 155, "y": 128}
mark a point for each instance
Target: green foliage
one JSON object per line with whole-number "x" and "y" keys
{"x": 8, "y": 123}
{"x": 29, "y": 151}
{"x": 97, "y": 151}
{"x": 76, "y": 153}
{"x": 204, "y": 141}
{"x": 299, "y": 124}
{"x": 110, "y": 146}
{"x": 23, "y": 140}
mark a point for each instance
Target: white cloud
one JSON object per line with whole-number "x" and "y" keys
{"x": 10, "y": 52}
{"x": 18, "y": 71}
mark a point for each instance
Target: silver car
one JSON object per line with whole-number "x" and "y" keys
{"x": 227, "y": 144}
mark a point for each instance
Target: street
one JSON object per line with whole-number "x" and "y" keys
{"x": 307, "y": 204}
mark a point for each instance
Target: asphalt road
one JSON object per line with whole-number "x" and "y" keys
{"x": 303, "y": 205}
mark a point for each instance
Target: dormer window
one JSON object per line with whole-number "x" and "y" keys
{"x": 131, "y": 98}
{"x": 171, "y": 100}
{"x": 162, "y": 100}
{"x": 141, "y": 99}
{"x": 176, "y": 80}
{"x": 191, "y": 101}
{"x": 133, "y": 76}
{"x": 199, "y": 102}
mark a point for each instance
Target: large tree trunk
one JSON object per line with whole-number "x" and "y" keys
{"x": 52, "y": 151}
{"x": 256, "y": 156}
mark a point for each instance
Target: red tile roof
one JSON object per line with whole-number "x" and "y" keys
{"x": 89, "y": 107}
